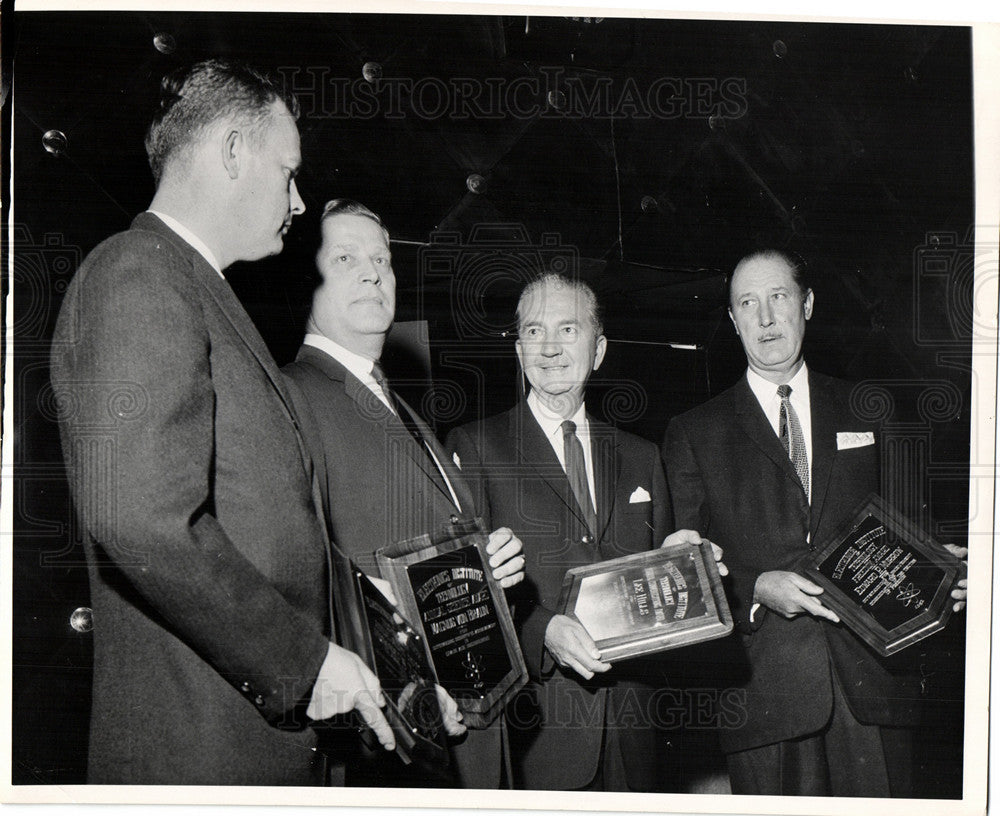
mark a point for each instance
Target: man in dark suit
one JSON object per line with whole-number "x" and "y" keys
{"x": 769, "y": 469}
{"x": 384, "y": 477}
{"x": 577, "y": 491}
{"x": 208, "y": 563}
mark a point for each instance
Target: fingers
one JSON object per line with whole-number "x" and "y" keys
{"x": 371, "y": 713}
{"x": 815, "y": 608}
{"x": 681, "y": 537}
{"x": 385, "y": 588}
{"x": 506, "y": 558}
{"x": 804, "y": 584}
{"x": 498, "y": 538}
{"x": 450, "y": 715}
{"x": 955, "y": 550}
{"x": 717, "y": 553}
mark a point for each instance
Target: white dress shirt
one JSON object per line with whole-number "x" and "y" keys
{"x": 766, "y": 393}
{"x": 361, "y": 367}
{"x": 551, "y": 425}
{"x": 191, "y": 238}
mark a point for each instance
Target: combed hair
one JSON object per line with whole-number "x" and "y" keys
{"x": 346, "y": 206}
{"x": 558, "y": 279}
{"x": 795, "y": 262}
{"x": 195, "y": 96}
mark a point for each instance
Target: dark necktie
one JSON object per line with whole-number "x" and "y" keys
{"x": 410, "y": 424}
{"x": 576, "y": 472}
{"x": 792, "y": 437}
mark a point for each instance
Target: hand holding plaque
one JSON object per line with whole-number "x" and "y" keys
{"x": 445, "y": 585}
{"x": 885, "y": 578}
{"x": 649, "y": 602}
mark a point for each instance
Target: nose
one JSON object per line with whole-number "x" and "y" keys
{"x": 766, "y": 313}
{"x": 296, "y": 204}
{"x": 550, "y": 348}
{"x": 370, "y": 272}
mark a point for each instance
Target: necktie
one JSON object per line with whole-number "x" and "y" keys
{"x": 576, "y": 472}
{"x": 410, "y": 424}
{"x": 792, "y": 437}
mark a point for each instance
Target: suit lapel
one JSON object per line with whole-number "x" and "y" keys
{"x": 373, "y": 409}
{"x": 230, "y": 306}
{"x": 750, "y": 417}
{"x": 825, "y": 414}
{"x": 427, "y": 464}
{"x": 536, "y": 451}
{"x": 606, "y": 455}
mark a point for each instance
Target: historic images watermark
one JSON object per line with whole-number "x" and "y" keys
{"x": 551, "y": 92}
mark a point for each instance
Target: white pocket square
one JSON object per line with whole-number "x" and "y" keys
{"x": 456, "y": 460}
{"x": 854, "y": 439}
{"x": 640, "y": 494}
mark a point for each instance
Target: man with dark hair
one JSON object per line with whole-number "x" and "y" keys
{"x": 769, "y": 468}
{"x": 208, "y": 562}
{"x": 384, "y": 477}
{"x": 576, "y": 491}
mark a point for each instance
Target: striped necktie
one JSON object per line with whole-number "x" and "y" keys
{"x": 792, "y": 437}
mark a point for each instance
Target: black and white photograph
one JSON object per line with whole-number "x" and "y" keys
{"x": 341, "y": 341}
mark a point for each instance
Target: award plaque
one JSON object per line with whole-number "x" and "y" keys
{"x": 885, "y": 578}
{"x": 649, "y": 602}
{"x": 445, "y": 585}
{"x": 373, "y": 628}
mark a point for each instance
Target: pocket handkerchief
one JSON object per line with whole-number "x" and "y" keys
{"x": 640, "y": 494}
{"x": 456, "y": 460}
{"x": 854, "y": 439}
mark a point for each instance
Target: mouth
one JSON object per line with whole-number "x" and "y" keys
{"x": 768, "y": 338}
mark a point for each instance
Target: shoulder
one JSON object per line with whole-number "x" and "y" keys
{"x": 716, "y": 411}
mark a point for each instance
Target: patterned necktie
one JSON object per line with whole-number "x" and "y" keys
{"x": 792, "y": 437}
{"x": 576, "y": 472}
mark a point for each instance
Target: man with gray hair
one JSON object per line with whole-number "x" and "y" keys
{"x": 208, "y": 563}
{"x": 576, "y": 491}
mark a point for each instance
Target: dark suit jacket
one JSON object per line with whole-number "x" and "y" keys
{"x": 379, "y": 486}
{"x": 520, "y": 484}
{"x": 208, "y": 565}
{"x": 730, "y": 478}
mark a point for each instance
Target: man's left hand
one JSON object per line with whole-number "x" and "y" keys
{"x": 506, "y": 560}
{"x": 692, "y": 537}
{"x": 961, "y": 589}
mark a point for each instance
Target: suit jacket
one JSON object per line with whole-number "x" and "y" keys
{"x": 380, "y": 486}
{"x": 559, "y": 718}
{"x": 207, "y": 562}
{"x": 730, "y": 478}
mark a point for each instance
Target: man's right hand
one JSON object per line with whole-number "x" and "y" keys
{"x": 790, "y": 595}
{"x": 345, "y": 683}
{"x": 572, "y": 648}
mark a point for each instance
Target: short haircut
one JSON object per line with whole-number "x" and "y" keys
{"x": 195, "y": 96}
{"x": 795, "y": 262}
{"x": 558, "y": 279}
{"x": 346, "y": 206}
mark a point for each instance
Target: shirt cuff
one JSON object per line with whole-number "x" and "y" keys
{"x": 753, "y": 611}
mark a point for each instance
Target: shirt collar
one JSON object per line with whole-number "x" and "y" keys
{"x": 551, "y": 424}
{"x": 199, "y": 246}
{"x": 360, "y": 367}
{"x": 765, "y": 390}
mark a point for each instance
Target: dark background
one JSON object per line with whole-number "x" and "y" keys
{"x": 851, "y": 144}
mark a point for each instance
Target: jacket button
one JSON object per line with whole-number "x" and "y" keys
{"x": 245, "y": 688}
{"x": 587, "y": 539}
{"x": 453, "y": 519}
{"x": 258, "y": 700}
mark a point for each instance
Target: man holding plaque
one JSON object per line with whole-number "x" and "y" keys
{"x": 769, "y": 468}
{"x": 577, "y": 491}
{"x": 384, "y": 475}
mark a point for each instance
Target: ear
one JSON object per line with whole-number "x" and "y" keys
{"x": 600, "y": 348}
{"x": 519, "y": 350}
{"x": 807, "y": 304}
{"x": 735, "y": 326}
{"x": 232, "y": 151}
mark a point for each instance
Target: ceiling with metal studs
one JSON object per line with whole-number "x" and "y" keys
{"x": 653, "y": 152}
